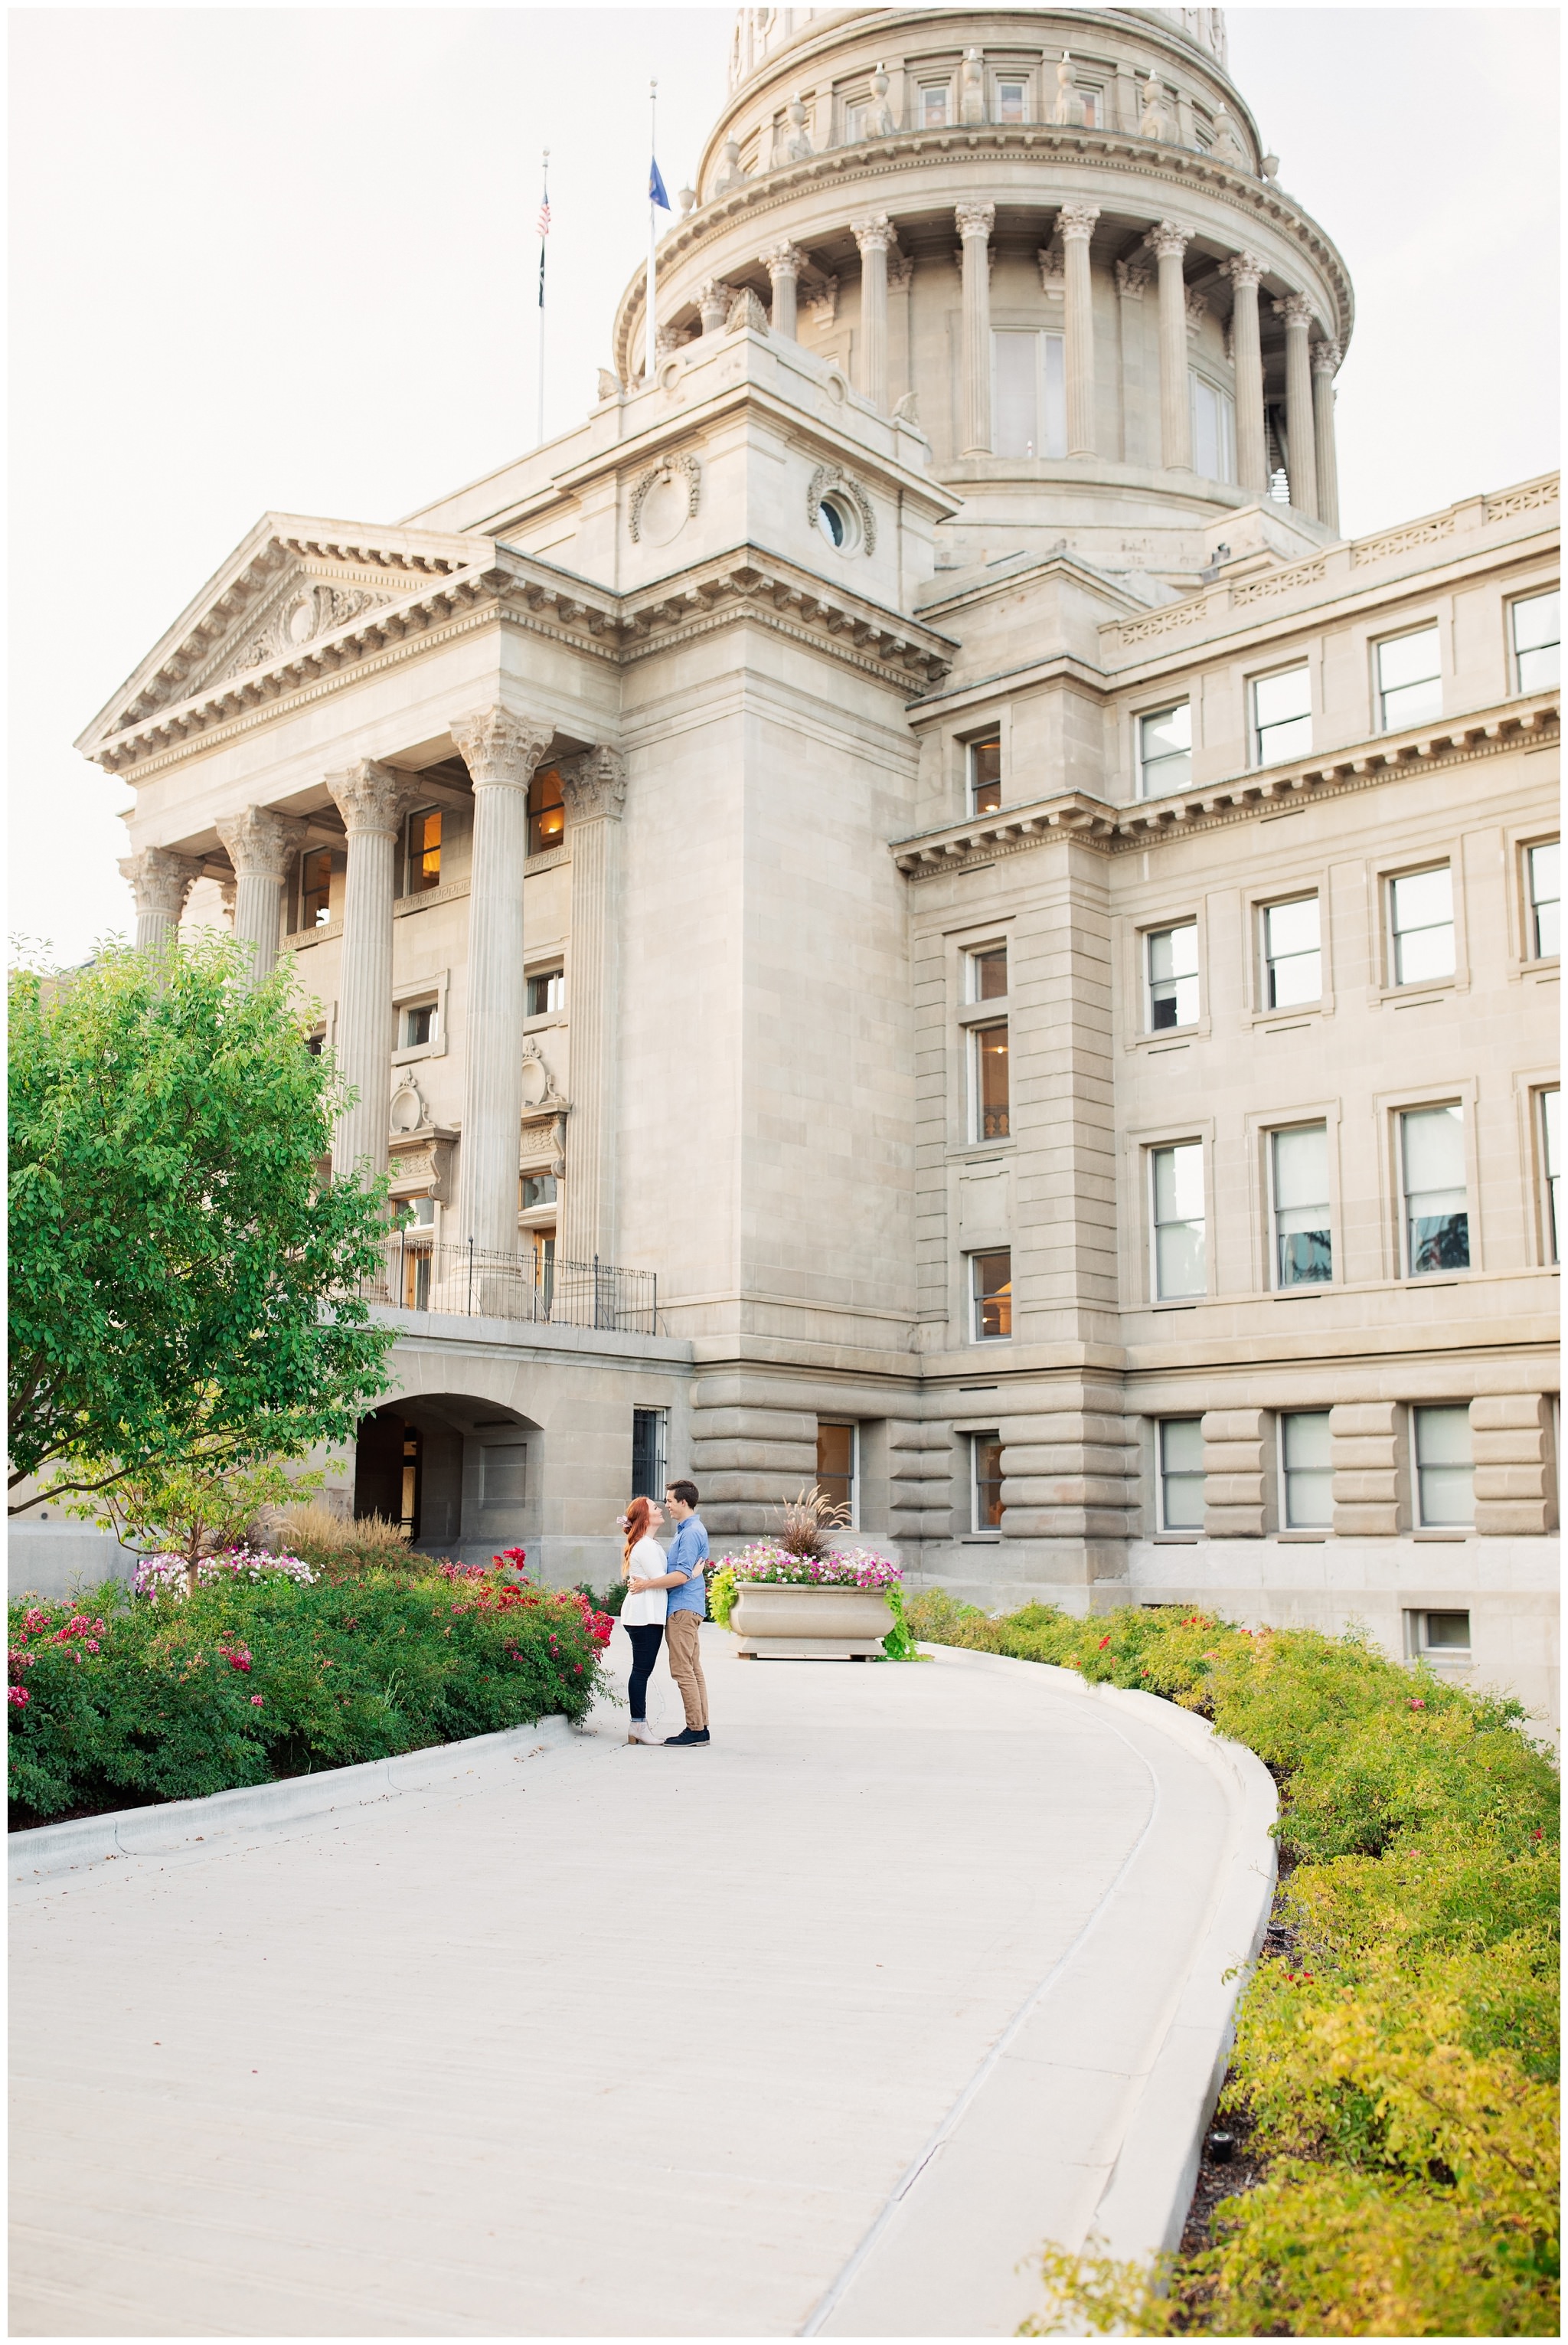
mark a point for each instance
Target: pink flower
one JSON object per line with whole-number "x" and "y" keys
{"x": 1416, "y": 1702}
{"x": 19, "y": 1695}
{"x": 256, "y": 1702}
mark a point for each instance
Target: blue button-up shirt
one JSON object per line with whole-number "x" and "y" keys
{"x": 689, "y": 1552}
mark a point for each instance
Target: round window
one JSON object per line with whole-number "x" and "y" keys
{"x": 839, "y": 523}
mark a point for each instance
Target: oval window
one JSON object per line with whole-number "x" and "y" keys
{"x": 831, "y": 521}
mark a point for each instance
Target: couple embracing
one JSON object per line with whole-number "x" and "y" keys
{"x": 666, "y": 1603}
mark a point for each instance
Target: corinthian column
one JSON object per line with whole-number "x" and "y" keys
{"x": 1167, "y": 243}
{"x": 500, "y": 751}
{"x": 874, "y": 234}
{"x": 372, "y": 801}
{"x": 1077, "y": 223}
{"x": 159, "y": 883}
{"x": 1297, "y": 312}
{"x": 974, "y": 224}
{"x": 1325, "y": 366}
{"x": 1252, "y": 455}
{"x": 261, "y": 845}
{"x": 595, "y": 791}
{"x": 784, "y": 263}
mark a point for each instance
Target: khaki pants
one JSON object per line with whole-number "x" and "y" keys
{"x": 682, "y": 1646}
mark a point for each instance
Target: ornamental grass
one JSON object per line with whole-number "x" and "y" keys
{"x": 1397, "y": 2063}
{"x": 119, "y": 1700}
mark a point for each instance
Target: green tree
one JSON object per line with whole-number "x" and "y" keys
{"x": 185, "y": 1279}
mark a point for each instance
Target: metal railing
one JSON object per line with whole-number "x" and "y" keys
{"x": 419, "y": 1274}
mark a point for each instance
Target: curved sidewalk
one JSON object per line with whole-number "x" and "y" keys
{"x": 819, "y": 2031}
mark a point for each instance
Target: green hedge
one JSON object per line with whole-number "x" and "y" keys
{"x": 128, "y": 1699}
{"x": 1399, "y": 2065}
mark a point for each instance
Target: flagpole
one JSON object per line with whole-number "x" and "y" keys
{"x": 543, "y": 234}
{"x": 650, "y": 344}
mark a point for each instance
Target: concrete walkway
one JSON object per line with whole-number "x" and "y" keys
{"x": 818, "y": 2031}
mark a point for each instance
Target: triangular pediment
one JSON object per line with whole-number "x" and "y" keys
{"x": 292, "y": 581}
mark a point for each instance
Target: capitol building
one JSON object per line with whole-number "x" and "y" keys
{"x": 905, "y": 910}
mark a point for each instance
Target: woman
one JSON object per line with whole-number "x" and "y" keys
{"x": 642, "y": 1615}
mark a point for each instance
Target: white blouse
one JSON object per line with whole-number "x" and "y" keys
{"x": 648, "y": 1609}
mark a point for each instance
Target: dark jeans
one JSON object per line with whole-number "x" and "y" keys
{"x": 645, "y": 1643}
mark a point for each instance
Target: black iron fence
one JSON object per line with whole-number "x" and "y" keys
{"x": 419, "y": 1274}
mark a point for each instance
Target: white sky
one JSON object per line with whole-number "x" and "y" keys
{"x": 285, "y": 257}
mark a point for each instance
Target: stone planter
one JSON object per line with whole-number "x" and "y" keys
{"x": 775, "y": 1622}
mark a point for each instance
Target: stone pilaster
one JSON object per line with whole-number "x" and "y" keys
{"x": 874, "y": 234}
{"x": 974, "y": 225}
{"x": 373, "y": 800}
{"x": 1169, "y": 243}
{"x": 1251, "y": 454}
{"x": 1236, "y": 1473}
{"x": 500, "y": 751}
{"x": 595, "y": 791}
{"x": 159, "y": 883}
{"x": 1325, "y": 366}
{"x": 1367, "y": 1447}
{"x": 1511, "y": 1441}
{"x": 1077, "y": 223}
{"x": 750, "y": 1452}
{"x": 1297, "y": 312}
{"x": 1069, "y": 1474}
{"x": 260, "y": 845}
{"x": 921, "y": 1468}
{"x": 784, "y": 263}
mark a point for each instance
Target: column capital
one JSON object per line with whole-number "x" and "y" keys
{"x": 1326, "y": 358}
{"x": 784, "y": 260}
{"x": 900, "y": 271}
{"x": 595, "y": 783}
{"x": 873, "y": 231}
{"x": 260, "y": 842}
{"x": 498, "y": 747}
{"x": 975, "y": 219}
{"x": 1242, "y": 269}
{"x": 1076, "y": 221}
{"x": 1131, "y": 279}
{"x": 370, "y": 798}
{"x": 1167, "y": 241}
{"x": 161, "y": 880}
{"x": 1296, "y": 309}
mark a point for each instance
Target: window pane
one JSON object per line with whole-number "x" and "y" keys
{"x": 1448, "y": 1631}
{"x": 546, "y": 811}
{"x": 985, "y": 776}
{"x": 993, "y": 1293}
{"x": 1010, "y": 101}
{"x": 1445, "y": 1473}
{"x": 546, "y": 992}
{"x": 1408, "y": 659}
{"x": 1178, "y": 1220}
{"x": 1278, "y": 698}
{"x": 1537, "y": 625}
{"x": 836, "y": 1462}
{"x": 1016, "y": 393}
{"x": 1551, "y": 1161}
{"x": 1178, "y": 1181}
{"x": 1307, "y": 1454}
{"x": 989, "y": 974}
{"x": 424, "y": 851}
{"x": 987, "y": 1500}
{"x": 647, "y": 1452}
{"x": 1436, "y": 1203}
{"x": 1421, "y": 914}
{"x": 1412, "y": 703}
{"x": 1291, "y": 951}
{"x": 1181, "y": 1472}
{"x": 315, "y": 889}
{"x": 1546, "y": 890}
{"x": 933, "y": 108}
{"x": 991, "y": 1099}
{"x": 1173, "y": 976}
{"x": 1165, "y": 750}
{"x": 1303, "y": 1241}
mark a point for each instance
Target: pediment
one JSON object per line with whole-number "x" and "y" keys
{"x": 292, "y": 581}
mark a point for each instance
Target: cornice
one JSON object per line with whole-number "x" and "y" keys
{"x": 1113, "y": 830}
{"x": 1154, "y": 162}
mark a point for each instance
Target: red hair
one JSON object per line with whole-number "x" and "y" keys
{"x": 637, "y": 1515}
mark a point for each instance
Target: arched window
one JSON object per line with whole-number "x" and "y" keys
{"x": 546, "y": 811}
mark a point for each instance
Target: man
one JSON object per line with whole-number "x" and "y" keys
{"x": 688, "y": 1608}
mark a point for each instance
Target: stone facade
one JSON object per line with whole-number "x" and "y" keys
{"x": 837, "y": 832}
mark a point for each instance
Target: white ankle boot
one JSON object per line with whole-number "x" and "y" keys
{"x": 642, "y": 1733}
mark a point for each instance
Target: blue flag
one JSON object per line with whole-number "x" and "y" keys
{"x": 656, "y": 187}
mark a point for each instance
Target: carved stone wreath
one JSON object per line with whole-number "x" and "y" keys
{"x": 663, "y": 471}
{"x": 831, "y": 480}
{"x": 298, "y": 618}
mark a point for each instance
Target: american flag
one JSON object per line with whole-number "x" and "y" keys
{"x": 544, "y": 217}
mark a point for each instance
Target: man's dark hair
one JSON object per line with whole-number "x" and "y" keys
{"x": 685, "y": 1491}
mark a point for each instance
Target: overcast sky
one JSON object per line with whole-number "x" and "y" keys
{"x": 284, "y": 257}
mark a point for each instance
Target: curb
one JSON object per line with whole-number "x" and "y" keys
{"x": 175, "y": 1826}
{"x": 1142, "y": 2210}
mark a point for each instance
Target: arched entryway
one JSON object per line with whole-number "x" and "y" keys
{"x": 457, "y": 1472}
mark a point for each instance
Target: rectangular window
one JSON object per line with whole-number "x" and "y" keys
{"x": 991, "y": 1295}
{"x": 1281, "y": 716}
{"x": 854, "y": 122}
{"x": 1544, "y": 864}
{"x": 1165, "y": 750}
{"x": 417, "y": 1274}
{"x": 1307, "y": 1470}
{"x": 933, "y": 106}
{"x": 984, "y": 1482}
{"x": 986, "y": 775}
{"x": 544, "y": 1244}
{"x": 648, "y": 1439}
{"x": 1303, "y": 1242}
{"x": 1030, "y": 398}
{"x": 546, "y": 993}
{"x": 1012, "y": 97}
{"x": 1444, "y": 1467}
{"x": 1437, "y": 1206}
{"x": 988, "y": 1045}
{"x": 503, "y": 1474}
{"x": 1172, "y": 955}
{"x": 419, "y": 1025}
{"x": 1536, "y": 629}
{"x": 315, "y": 889}
{"x": 424, "y": 851}
{"x": 989, "y": 974}
{"x": 1292, "y": 953}
{"x": 1551, "y": 1170}
{"x": 1090, "y": 99}
{"x": 1420, "y": 925}
{"x": 1438, "y": 1636}
{"x": 537, "y": 1189}
{"x": 1213, "y": 429}
{"x": 1181, "y": 1473}
{"x": 837, "y": 1467}
{"x": 423, "y": 1209}
{"x": 1179, "y": 1251}
{"x": 546, "y": 810}
{"x": 1409, "y": 680}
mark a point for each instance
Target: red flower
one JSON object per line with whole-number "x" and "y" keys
{"x": 1416, "y": 1702}
{"x": 1103, "y": 1643}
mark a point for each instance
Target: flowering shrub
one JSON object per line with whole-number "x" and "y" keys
{"x": 260, "y": 1674}
{"x": 170, "y": 1575}
{"x": 855, "y": 1567}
